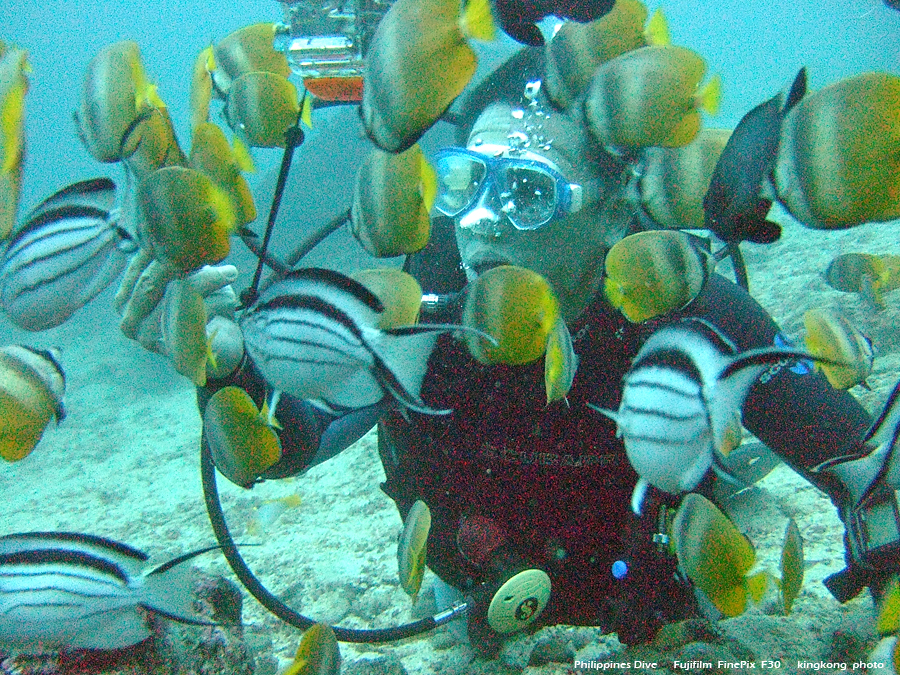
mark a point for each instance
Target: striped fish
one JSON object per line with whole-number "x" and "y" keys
{"x": 314, "y": 336}
{"x": 67, "y": 251}
{"x": 32, "y": 385}
{"x": 67, "y": 590}
{"x": 681, "y": 403}
{"x": 879, "y": 461}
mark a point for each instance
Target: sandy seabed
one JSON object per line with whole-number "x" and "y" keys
{"x": 124, "y": 464}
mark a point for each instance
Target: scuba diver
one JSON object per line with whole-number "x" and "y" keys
{"x": 531, "y": 504}
{"x": 515, "y": 486}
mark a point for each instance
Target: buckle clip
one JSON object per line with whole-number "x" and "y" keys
{"x": 661, "y": 538}
{"x": 873, "y": 529}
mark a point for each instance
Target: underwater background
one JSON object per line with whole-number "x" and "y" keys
{"x": 124, "y": 463}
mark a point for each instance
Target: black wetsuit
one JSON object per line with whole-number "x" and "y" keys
{"x": 514, "y": 483}
{"x": 554, "y": 480}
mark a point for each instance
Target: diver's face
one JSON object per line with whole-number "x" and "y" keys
{"x": 568, "y": 251}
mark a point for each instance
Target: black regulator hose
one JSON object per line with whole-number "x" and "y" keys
{"x": 293, "y": 138}
{"x": 740, "y": 268}
{"x": 316, "y": 237}
{"x": 255, "y": 587}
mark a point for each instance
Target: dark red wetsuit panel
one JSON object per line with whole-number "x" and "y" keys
{"x": 555, "y": 479}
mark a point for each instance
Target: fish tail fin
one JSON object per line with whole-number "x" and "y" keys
{"x": 710, "y": 96}
{"x": 152, "y": 97}
{"x": 476, "y": 21}
{"x": 428, "y": 182}
{"x": 870, "y": 292}
{"x": 211, "y": 357}
{"x": 757, "y": 585}
{"x": 657, "y": 31}
{"x": 139, "y": 78}
{"x": 241, "y": 154}
{"x": 224, "y": 208}
{"x": 269, "y": 406}
{"x": 306, "y": 110}
{"x": 210, "y": 58}
{"x": 168, "y": 589}
{"x": 12, "y": 118}
{"x": 404, "y": 358}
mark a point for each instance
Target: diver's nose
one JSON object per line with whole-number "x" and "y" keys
{"x": 483, "y": 219}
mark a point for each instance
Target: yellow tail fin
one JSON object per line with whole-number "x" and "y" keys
{"x": 428, "y": 184}
{"x": 757, "y": 585}
{"x": 241, "y": 154}
{"x": 210, "y": 354}
{"x": 306, "y": 110}
{"x": 711, "y": 95}
{"x": 477, "y": 22}
{"x": 210, "y": 59}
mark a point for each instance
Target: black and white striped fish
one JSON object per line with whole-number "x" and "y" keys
{"x": 314, "y": 336}
{"x": 879, "y": 458}
{"x": 62, "y": 590}
{"x": 681, "y": 403}
{"x": 68, "y": 250}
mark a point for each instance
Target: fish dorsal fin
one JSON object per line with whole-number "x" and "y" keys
{"x": 885, "y": 434}
{"x": 719, "y": 340}
{"x": 886, "y": 424}
{"x": 736, "y": 378}
{"x": 734, "y": 382}
{"x": 61, "y": 212}
{"x": 166, "y": 566}
{"x": 657, "y": 31}
{"x": 99, "y": 193}
{"x": 337, "y": 281}
{"x": 402, "y": 355}
{"x": 758, "y": 357}
{"x": 796, "y": 92}
{"x": 115, "y": 558}
{"x": 611, "y": 414}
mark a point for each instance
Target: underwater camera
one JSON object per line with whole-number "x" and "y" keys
{"x": 326, "y": 43}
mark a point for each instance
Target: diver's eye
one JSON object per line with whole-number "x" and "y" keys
{"x": 533, "y": 192}
{"x": 460, "y": 180}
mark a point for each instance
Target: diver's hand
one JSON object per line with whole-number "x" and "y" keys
{"x": 141, "y": 290}
{"x": 213, "y": 283}
{"x": 140, "y": 301}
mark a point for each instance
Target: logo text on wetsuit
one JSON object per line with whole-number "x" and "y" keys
{"x": 489, "y": 453}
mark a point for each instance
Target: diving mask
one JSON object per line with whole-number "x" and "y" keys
{"x": 531, "y": 192}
